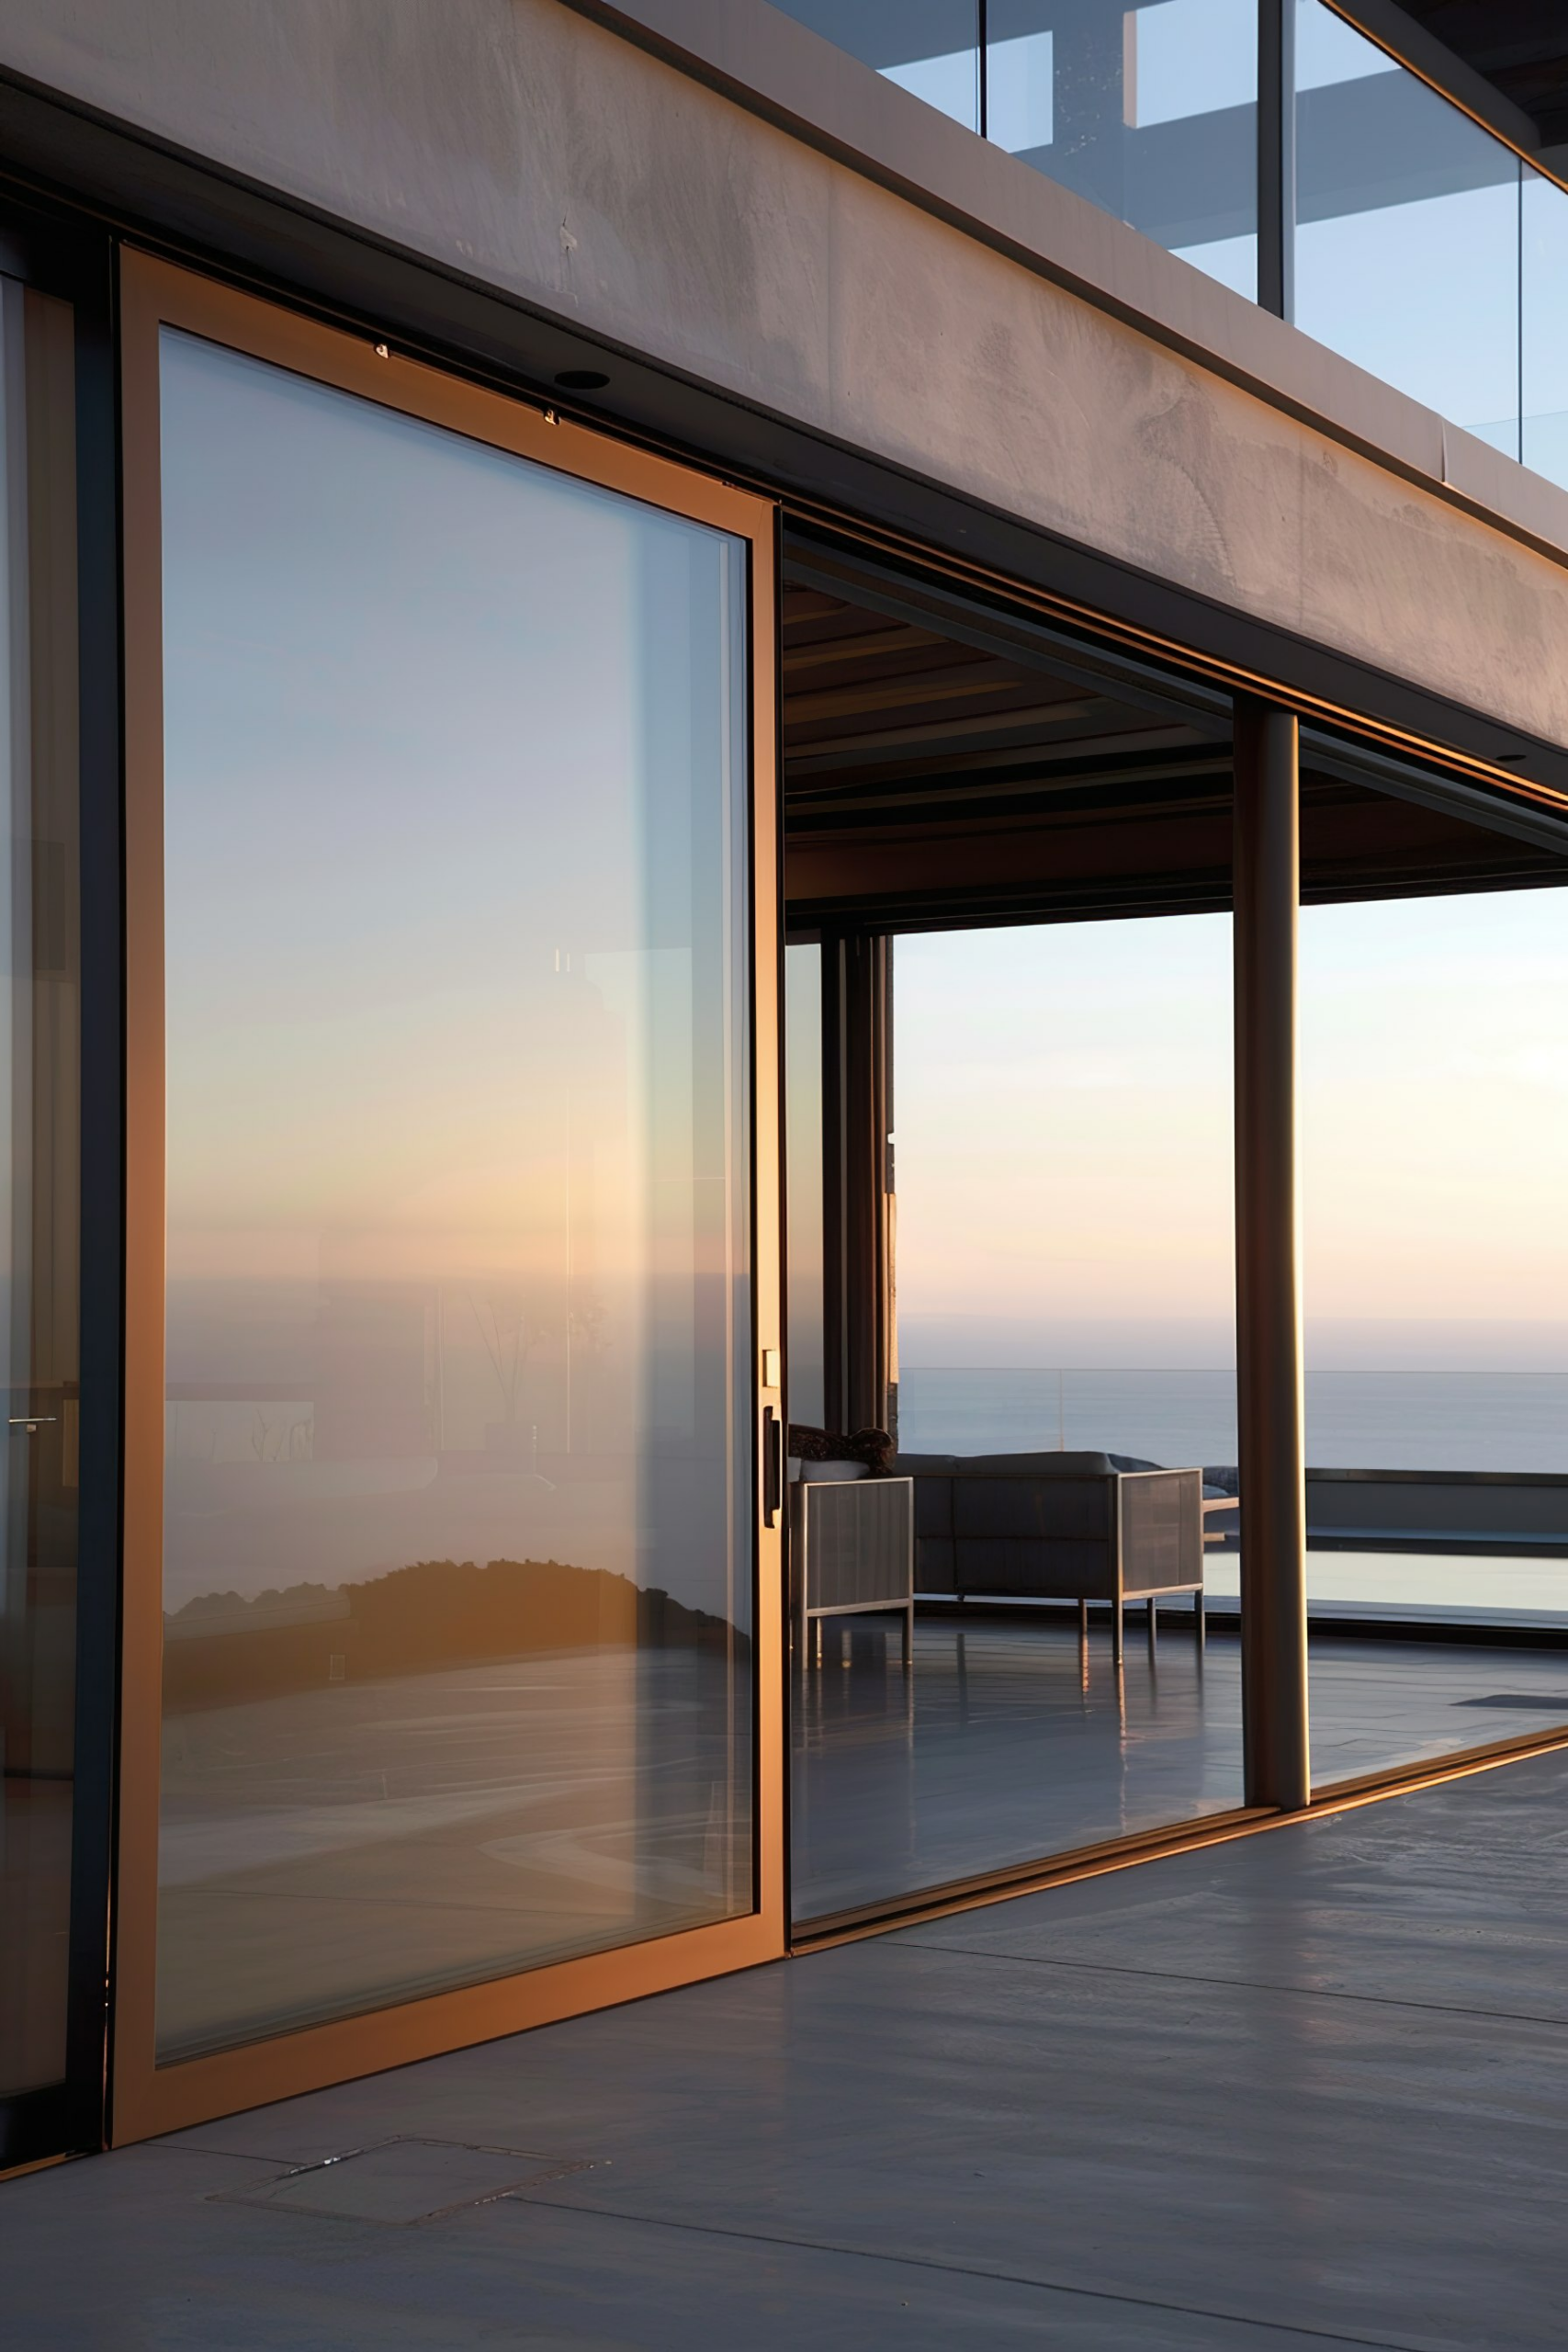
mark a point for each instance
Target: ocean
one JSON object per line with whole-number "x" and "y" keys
{"x": 1355, "y": 1420}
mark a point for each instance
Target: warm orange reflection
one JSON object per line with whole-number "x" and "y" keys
{"x": 218, "y": 1648}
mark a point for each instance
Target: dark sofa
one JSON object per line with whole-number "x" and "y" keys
{"x": 1085, "y": 1527}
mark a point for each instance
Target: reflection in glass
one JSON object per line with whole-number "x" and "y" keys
{"x": 1066, "y": 1302}
{"x": 931, "y": 47}
{"x": 40, "y": 962}
{"x": 803, "y": 1134}
{"x": 1408, "y": 243}
{"x": 457, "y": 1661}
{"x": 1150, "y": 112}
{"x": 1544, "y": 333}
{"x": 1435, "y": 1164}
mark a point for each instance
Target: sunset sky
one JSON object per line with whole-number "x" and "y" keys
{"x": 1064, "y": 1137}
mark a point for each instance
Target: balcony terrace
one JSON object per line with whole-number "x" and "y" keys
{"x": 1285, "y": 2091}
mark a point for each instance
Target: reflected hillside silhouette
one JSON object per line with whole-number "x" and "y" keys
{"x": 220, "y": 1648}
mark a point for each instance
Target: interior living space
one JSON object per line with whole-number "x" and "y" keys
{"x": 1028, "y": 855}
{"x": 786, "y": 1105}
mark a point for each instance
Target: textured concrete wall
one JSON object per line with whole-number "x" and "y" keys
{"x": 526, "y": 146}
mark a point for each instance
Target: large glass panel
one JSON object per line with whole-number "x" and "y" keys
{"x": 1544, "y": 327}
{"x": 1408, "y": 243}
{"x": 1433, "y": 1123}
{"x": 39, "y": 965}
{"x": 931, "y": 47}
{"x": 1149, "y": 111}
{"x": 1066, "y": 1333}
{"x": 458, "y": 1522}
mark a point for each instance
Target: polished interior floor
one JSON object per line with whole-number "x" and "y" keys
{"x": 1299, "y": 2090}
{"x": 1009, "y": 1742}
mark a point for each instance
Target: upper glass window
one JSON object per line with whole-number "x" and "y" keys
{"x": 931, "y": 47}
{"x": 1150, "y": 112}
{"x": 1407, "y": 243}
{"x": 1544, "y": 337}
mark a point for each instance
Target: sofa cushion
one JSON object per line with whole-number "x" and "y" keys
{"x": 1029, "y": 1510}
{"x": 932, "y": 1474}
{"x": 934, "y": 1569}
{"x": 933, "y": 1507}
{"x": 1038, "y": 1571}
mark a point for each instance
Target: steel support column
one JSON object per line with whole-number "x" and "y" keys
{"x": 1277, "y": 156}
{"x": 1268, "y": 1320}
{"x": 856, "y": 1074}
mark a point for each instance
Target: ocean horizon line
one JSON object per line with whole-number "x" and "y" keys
{"x": 1313, "y": 1371}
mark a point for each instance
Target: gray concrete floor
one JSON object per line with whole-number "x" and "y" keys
{"x": 1310, "y": 2088}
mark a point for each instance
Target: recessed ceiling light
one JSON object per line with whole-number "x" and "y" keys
{"x": 581, "y": 380}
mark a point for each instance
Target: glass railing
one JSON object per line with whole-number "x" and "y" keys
{"x": 1439, "y": 1494}
{"x": 1407, "y": 231}
{"x": 931, "y": 47}
{"x": 1424, "y": 248}
{"x": 1151, "y": 113}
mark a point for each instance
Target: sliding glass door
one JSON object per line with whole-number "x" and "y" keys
{"x": 444, "y": 1558}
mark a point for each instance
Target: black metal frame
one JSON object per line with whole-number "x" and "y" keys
{"x": 857, "y": 1064}
{"x": 1270, "y": 1376}
{"x": 1277, "y": 157}
{"x": 67, "y": 258}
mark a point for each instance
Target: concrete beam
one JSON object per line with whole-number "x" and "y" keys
{"x": 538, "y": 153}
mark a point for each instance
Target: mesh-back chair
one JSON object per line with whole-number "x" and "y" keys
{"x": 852, "y": 1552}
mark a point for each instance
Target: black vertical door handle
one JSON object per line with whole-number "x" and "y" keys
{"x": 773, "y": 1466}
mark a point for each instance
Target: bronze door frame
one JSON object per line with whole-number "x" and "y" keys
{"x": 147, "y": 2099}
